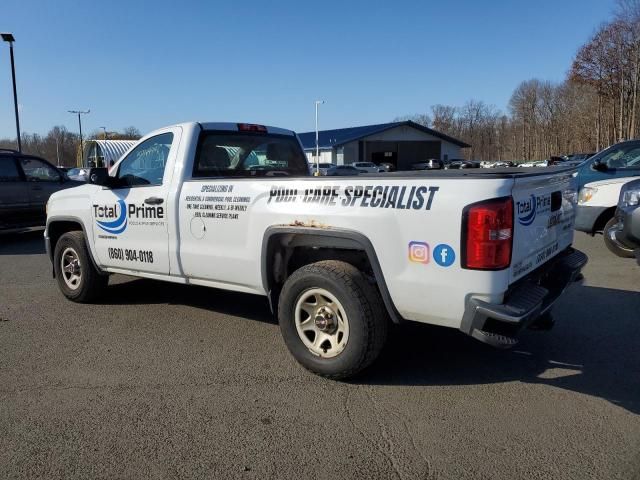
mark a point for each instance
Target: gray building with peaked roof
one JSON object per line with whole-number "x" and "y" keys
{"x": 398, "y": 143}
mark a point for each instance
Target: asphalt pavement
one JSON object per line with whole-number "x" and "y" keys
{"x": 168, "y": 381}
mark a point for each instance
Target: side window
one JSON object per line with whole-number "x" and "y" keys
{"x": 631, "y": 159}
{"x": 146, "y": 163}
{"x": 623, "y": 157}
{"x": 9, "y": 170}
{"x": 38, "y": 171}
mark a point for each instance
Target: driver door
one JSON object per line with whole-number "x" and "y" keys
{"x": 130, "y": 220}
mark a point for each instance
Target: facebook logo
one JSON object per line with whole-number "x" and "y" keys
{"x": 444, "y": 255}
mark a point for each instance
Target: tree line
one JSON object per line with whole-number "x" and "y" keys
{"x": 62, "y": 147}
{"x": 595, "y": 106}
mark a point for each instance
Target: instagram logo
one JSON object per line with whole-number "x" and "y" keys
{"x": 419, "y": 252}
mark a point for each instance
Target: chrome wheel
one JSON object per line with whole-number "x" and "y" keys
{"x": 70, "y": 268}
{"x": 321, "y": 322}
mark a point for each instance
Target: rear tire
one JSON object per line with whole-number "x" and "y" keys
{"x": 78, "y": 279}
{"x": 332, "y": 319}
{"x": 614, "y": 247}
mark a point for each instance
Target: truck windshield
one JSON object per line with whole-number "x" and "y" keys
{"x": 225, "y": 154}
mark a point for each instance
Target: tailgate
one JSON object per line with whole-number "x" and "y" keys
{"x": 544, "y": 214}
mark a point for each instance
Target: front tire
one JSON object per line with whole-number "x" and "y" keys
{"x": 613, "y": 246}
{"x": 332, "y": 319}
{"x": 78, "y": 279}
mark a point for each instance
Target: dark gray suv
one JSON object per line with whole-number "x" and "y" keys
{"x": 26, "y": 182}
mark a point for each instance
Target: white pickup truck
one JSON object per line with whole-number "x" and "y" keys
{"x": 232, "y": 206}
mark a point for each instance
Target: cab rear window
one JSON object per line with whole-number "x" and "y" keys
{"x": 230, "y": 154}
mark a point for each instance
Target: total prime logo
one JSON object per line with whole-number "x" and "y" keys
{"x": 114, "y": 219}
{"x": 529, "y": 209}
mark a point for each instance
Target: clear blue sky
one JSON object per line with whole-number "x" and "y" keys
{"x": 150, "y": 64}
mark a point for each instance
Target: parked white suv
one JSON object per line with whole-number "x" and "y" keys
{"x": 597, "y": 202}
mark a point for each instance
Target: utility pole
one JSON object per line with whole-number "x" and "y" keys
{"x": 9, "y": 38}
{"x": 80, "y": 112}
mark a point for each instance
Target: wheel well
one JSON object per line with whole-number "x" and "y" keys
{"x": 303, "y": 255}
{"x": 602, "y": 220}
{"x": 288, "y": 252}
{"x": 58, "y": 228}
{"x": 284, "y": 253}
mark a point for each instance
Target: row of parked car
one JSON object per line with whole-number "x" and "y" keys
{"x": 438, "y": 164}
{"x": 357, "y": 168}
{"x": 565, "y": 160}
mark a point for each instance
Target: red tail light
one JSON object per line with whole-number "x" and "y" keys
{"x": 488, "y": 235}
{"x": 251, "y": 127}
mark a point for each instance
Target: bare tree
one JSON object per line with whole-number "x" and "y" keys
{"x": 130, "y": 133}
{"x": 419, "y": 118}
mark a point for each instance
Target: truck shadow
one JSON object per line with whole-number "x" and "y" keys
{"x": 591, "y": 350}
{"x": 145, "y": 292}
{"x": 29, "y": 242}
{"x": 594, "y": 349}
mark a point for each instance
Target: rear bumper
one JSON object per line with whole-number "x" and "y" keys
{"x": 525, "y": 302}
{"x": 586, "y": 218}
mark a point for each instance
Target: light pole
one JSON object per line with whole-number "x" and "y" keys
{"x": 318, "y": 102}
{"x": 80, "y": 112}
{"x": 104, "y": 132}
{"x": 8, "y": 37}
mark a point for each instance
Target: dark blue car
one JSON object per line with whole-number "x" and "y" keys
{"x": 619, "y": 160}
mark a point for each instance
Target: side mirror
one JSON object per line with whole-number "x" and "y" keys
{"x": 100, "y": 176}
{"x": 600, "y": 167}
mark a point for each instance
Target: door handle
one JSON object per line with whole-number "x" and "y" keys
{"x": 35, "y": 187}
{"x": 154, "y": 200}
